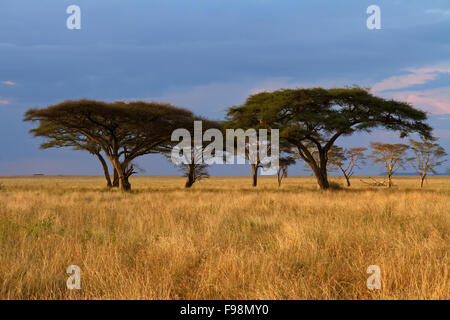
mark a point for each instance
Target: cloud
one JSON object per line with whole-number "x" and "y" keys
{"x": 436, "y": 100}
{"x": 444, "y": 13}
{"x": 414, "y": 77}
{"x": 5, "y": 102}
{"x": 9, "y": 83}
{"x": 214, "y": 98}
{"x": 209, "y": 99}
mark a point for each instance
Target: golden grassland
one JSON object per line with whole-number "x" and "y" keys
{"x": 223, "y": 239}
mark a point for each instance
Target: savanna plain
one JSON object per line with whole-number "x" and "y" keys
{"x": 223, "y": 239}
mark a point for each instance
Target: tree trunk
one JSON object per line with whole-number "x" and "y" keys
{"x": 279, "y": 177}
{"x": 124, "y": 184}
{"x": 255, "y": 174}
{"x": 105, "y": 170}
{"x": 322, "y": 178}
{"x": 321, "y": 172}
{"x": 189, "y": 182}
{"x": 115, "y": 179}
{"x": 348, "y": 181}
{"x": 422, "y": 180}
{"x": 190, "y": 176}
{"x": 347, "y": 178}
{"x": 389, "y": 180}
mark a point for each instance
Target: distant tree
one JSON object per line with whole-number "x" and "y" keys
{"x": 346, "y": 160}
{"x": 282, "y": 170}
{"x": 392, "y": 156}
{"x": 193, "y": 167}
{"x": 193, "y": 157}
{"x": 319, "y": 116}
{"x": 256, "y": 162}
{"x": 123, "y": 131}
{"x": 57, "y": 137}
{"x": 251, "y": 152}
{"x": 428, "y": 156}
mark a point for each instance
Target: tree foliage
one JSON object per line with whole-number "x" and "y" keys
{"x": 392, "y": 156}
{"x": 428, "y": 156}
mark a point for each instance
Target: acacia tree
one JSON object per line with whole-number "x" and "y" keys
{"x": 251, "y": 149}
{"x": 282, "y": 170}
{"x": 287, "y": 156}
{"x": 123, "y": 131}
{"x": 195, "y": 155}
{"x": 193, "y": 167}
{"x": 58, "y": 137}
{"x": 392, "y": 156}
{"x": 428, "y": 156}
{"x": 320, "y": 116}
{"x": 254, "y": 157}
{"x": 346, "y": 160}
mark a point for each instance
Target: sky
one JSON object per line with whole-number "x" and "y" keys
{"x": 208, "y": 55}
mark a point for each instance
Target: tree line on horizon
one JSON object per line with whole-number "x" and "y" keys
{"x": 423, "y": 156}
{"x": 310, "y": 121}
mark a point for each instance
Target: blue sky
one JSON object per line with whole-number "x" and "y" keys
{"x": 207, "y": 55}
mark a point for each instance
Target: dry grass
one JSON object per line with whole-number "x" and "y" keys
{"x": 222, "y": 239}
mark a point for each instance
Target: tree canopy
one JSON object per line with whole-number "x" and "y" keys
{"x": 391, "y": 156}
{"x": 123, "y": 131}
{"x": 428, "y": 155}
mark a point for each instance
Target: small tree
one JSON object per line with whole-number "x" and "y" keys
{"x": 346, "y": 160}
{"x": 282, "y": 169}
{"x": 190, "y": 163}
{"x": 194, "y": 157}
{"x": 194, "y": 171}
{"x": 254, "y": 157}
{"x": 252, "y": 154}
{"x": 392, "y": 156}
{"x": 428, "y": 156}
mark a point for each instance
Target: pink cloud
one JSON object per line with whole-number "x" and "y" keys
{"x": 436, "y": 101}
{"x": 9, "y": 83}
{"x": 5, "y": 102}
{"x": 414, "y": 77}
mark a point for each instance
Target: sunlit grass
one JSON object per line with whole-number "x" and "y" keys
{"x": 223, "y": 239}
